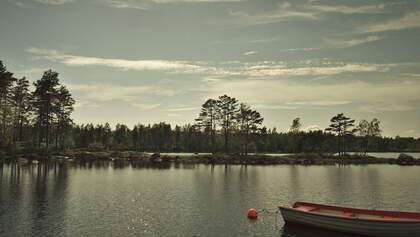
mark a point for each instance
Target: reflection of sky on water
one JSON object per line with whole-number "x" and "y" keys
{"x": 123, "y": 199}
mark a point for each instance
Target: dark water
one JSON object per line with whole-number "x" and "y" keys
{"x": 108, "y": 200}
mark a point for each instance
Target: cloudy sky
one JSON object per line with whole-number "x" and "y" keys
{"x": 147, "y": 61}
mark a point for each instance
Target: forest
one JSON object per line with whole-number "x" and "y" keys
{"x": 39, "y": 121}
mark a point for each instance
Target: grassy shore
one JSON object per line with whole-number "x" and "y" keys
{"x": 218, "y": 158}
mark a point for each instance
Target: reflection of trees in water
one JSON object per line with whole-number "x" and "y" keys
{"x": 370, "y": 179}
{"x": 340, "y": 184}
{"x": 83, "y": 164}
{"x": 11, "y": 195}
{"x": 1, "y": 171}
{"x": 49, "y": 197}
{"x": 147, "y": 165}
{"x": 294, "y": 182}
{"x": 35, "y": 198}
{"x": 122, "y": 164}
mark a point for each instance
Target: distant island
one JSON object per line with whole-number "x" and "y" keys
{"x": 37, "y": 125}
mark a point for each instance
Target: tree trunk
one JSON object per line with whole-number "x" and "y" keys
{"x": 246, "y": 143}
{"x": 367, "y": 145}
{"x": 20, "y": 130}
{"x": 226, "y": 140}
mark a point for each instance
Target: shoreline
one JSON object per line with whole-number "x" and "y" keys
{"x": 207, "y": 158}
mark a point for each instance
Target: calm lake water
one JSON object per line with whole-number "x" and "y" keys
{"x": 103, "y": 199}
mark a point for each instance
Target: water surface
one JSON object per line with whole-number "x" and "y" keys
{"x": 104, "y": 199}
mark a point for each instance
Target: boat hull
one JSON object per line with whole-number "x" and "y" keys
{"x": 352, "y": 225}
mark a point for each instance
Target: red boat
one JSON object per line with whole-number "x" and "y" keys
{"x": 352, "y": 220}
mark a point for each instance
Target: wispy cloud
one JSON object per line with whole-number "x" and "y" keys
{"x": 285, "y": 11}
{"x": 250, "y": 53}
{"x": 369, "y": 9}
{"x": 386, "y": 107}
{"x": 144, "y": 106}
{"x": 148, "y": 4}
{"x": 34, "y": 70}
{"x": 19, "y": 3}
{"x": 408, "y": 21}
{"x": 54, "y": 2}
{"x": 282, "y": 70}
{"x": 194, "y": 1}
{"x": 262, "y": 40}
{"x": 210, "y": 79}
{"x": 277, "y": 94}
{"x": 107, "y": 92}
{"x": 352, "y": 42}
{"x": 219, "y": 69}
{"x": 85, "y": 104}
{"x": 72, "y": 60}
{"x": 319, "y": 102}
{"x": 299, "y": 49}
{"x": 181, "y": 109}
{"x": 128, "y": 4}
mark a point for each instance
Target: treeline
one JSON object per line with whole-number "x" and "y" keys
{"x": 40, "y": 121}
{"x": 162, "y": 137}
{"x": 34, "y": 119}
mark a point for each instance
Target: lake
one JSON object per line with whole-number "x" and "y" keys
{"x": 105, "y": 199}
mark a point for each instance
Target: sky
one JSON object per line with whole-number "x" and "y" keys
{"x": 147, "y": 61}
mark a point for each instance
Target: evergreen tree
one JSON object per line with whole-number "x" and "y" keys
{"x": 340, "y": 125}
{"x": 20, "y": 101}
{"x": 226, "y": 115}
{"x": 63, "y": 109}
{"x": 249, "y": 121}
{"x": 107, "y": 136}
{"x": 207, "y": 120}
{"x": 296, "y": 125}
{"x": 6, "y": 83}
{"x": 44, "y": 100}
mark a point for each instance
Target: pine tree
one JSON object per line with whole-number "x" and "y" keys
{"x": 249, "y": 121}
{"x": 226, "y": 115}
{"x": 44, "y": 100}
{"x": 6, "y": 83}
{"x": 63, "y": 109}
{"x": 340, "y": 125}
{"x": 207, "y": 120}
{"x": 20, "y": 101}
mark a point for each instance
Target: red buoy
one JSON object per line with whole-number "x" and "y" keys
{"x": 252, "y": 214}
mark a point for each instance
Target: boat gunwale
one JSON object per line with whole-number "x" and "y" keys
{"x": 413, "y": 217}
